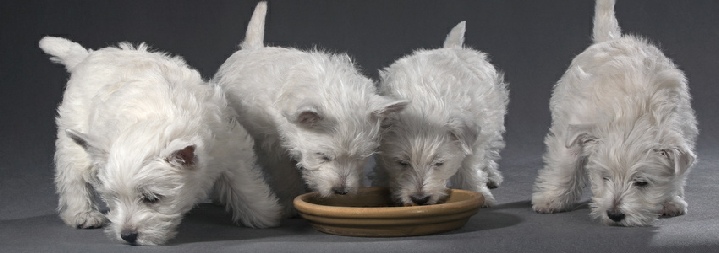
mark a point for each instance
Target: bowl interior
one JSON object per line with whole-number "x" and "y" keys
{"x": 366, "y": 197}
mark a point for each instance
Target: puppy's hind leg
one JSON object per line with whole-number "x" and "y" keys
{"x": 559, "y": 183}
{"x": 73, "y": 174}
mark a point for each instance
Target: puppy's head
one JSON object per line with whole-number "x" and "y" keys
{"x": 333, "y": 119}
{"x": 147, "y": 181}
{"x": 632, "y": 175}
{"x": 420, "y": 156}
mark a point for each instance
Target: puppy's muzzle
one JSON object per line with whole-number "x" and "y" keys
{"x": 616, "y": 216}
{"x": 340, "y": 190}
{"x": 420, "y": 199}
{"x": 129, "y": 236}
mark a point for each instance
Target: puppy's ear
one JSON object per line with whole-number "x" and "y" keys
{"x": 681, "y": 158}
{"x": 383, "y": 75}
{"x": 183, "y": 157}
{"x": 387, "y": 122}
{"x": 305, "y": 116}
{"x": 90, "y": 144}
{"x": 464, "y": 131}
{"x": 579, "y": 134}
{"x": 384, "y": 107}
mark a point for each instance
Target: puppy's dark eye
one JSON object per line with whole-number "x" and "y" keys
{"x": 403, "y": 163}
{"x": 323, "y": 157}
{"x": 640, "y": 184}
{"x": 664, "y": 153}
{"x": 150, "y": 199}
{"x": 606, "y": 179}
{"x": 439, "y": 163}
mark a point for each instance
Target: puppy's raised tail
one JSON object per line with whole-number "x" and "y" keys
{"x": 255, "y": 35}
{"x": 606, "y": 26}
{"x": 455, "y": 38}
{"x": 64, "y": 51}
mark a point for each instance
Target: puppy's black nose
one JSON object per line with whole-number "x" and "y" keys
{"x": 615, "y": 216}
{"x": 340, "y": 190}
{"x": 492, "y": 185}
{"x": 420, "y": 199}
{"x": 129, "y": 235}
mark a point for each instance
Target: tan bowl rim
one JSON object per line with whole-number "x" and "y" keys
{"x": 473, "y": 202}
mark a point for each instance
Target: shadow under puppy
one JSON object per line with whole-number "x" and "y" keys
{"x": 315, "y": 118}
{"x": 621, "y": 118}
{"x": 152, "y": 139}
{"x": 452, "y": 129}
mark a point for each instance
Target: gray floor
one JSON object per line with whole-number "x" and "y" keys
{"x": 531, "y": 41}
{"x": 509, "y": 227}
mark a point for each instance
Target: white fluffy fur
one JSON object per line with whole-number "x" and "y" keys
{"x": 621, "y": 118}
{"x": 142, "y": 127}
{"x": 313, "y": 115}
{"x": 452, "y": 128}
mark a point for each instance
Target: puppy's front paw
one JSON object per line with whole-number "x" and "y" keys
{"x": 547, "y": 207}
{"x": 494, "y": 180}
{"x": 489, "y": 200}
{"x": 85, "y": 220}
{"x": 545, "y": 210}
{"x": 675, "y": 207}
{"x": 549, "y": 202}
{"x": 267, "y": 217}
{"x": 269, "y": 221}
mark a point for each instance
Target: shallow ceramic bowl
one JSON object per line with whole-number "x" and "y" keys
{"x": 370, "y": 213}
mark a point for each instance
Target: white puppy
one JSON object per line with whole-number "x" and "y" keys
{"x": 313, "y": 115}
{"x": 621, "y": 117}
{"x": 144, "y": 131}
{"x": 452, "y": 128}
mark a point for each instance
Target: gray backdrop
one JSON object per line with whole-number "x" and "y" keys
{"x": 532, "y": 41}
